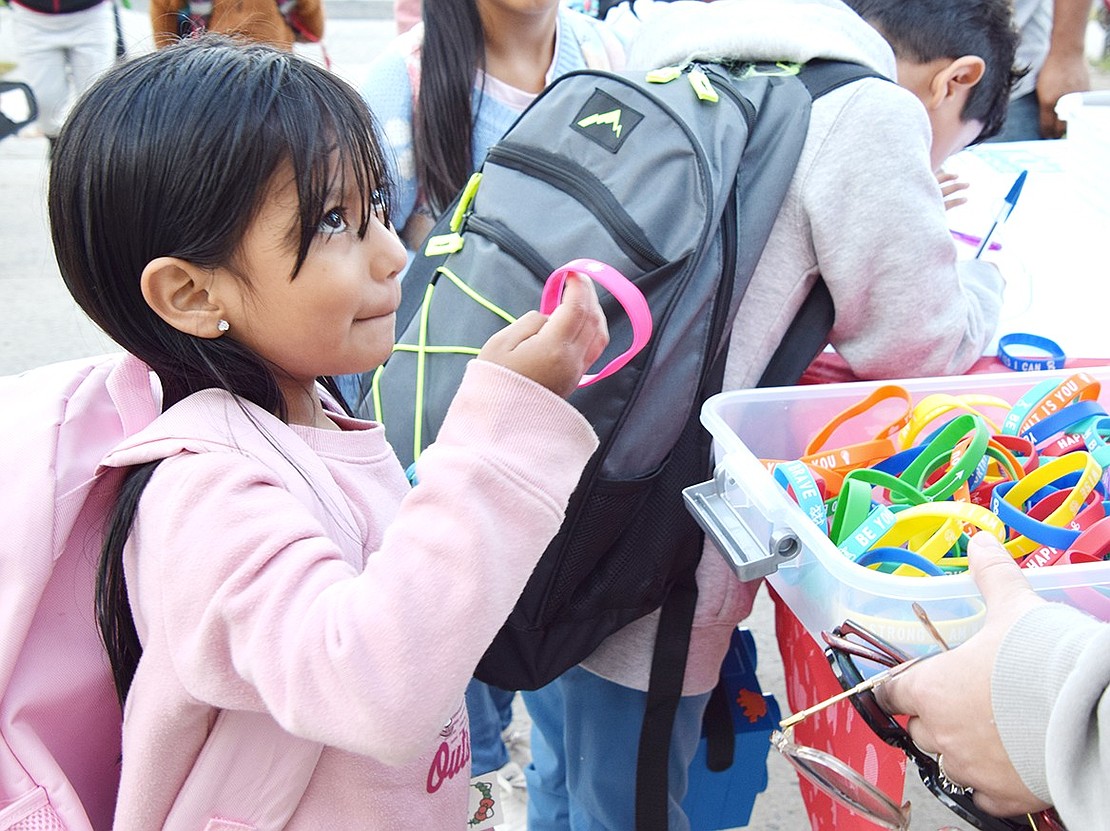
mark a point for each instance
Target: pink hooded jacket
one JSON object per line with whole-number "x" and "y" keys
{"x": 313, "y": 588}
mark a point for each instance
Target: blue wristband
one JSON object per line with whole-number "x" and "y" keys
{"x": 796, "y": 476}
{"x": 1053, "y": 360}
{"x": 1061, "y": 420}
{"x": 857, "y": 541}
{"x": 901, "y": 557}
{"x": 1018, "y": 521}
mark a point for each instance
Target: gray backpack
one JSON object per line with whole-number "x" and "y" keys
{"x": 673, "y": 177}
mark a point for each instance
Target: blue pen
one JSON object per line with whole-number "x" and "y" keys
{"x": 1003, "y": 212}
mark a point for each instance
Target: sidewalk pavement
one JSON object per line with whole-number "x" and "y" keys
{"x": 38, "y": 321}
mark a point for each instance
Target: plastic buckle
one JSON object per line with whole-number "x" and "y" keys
{"x": 443, "y": 244}
{"x": 748, "y": 556}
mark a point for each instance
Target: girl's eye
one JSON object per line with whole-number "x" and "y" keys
{"x": 334, "y": 221}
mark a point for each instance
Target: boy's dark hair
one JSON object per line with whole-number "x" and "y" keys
{"x": 925, "y": 30}
{"x": 172, "y": 155}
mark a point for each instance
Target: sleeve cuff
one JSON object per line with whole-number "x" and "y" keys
{"x": 1032, "y": 666}
{"x": 533, "y": 431}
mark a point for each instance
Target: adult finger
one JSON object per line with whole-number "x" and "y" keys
{"x": 997, "y": 575}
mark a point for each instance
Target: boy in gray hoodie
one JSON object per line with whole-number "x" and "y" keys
{"x": 865, "y": 212}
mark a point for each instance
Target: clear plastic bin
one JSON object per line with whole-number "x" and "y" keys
{"x": 822, "y": 586}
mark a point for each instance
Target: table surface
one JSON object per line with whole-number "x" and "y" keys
{"x": 1054, "y": 246}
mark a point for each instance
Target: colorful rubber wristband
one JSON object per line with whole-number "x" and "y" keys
{"x": 1097, "y": 439}
{"x": 1091, "y": 512}
{"x": 876, "y": 397}
{"x": 939, "y": 452}
{"x": 1012, "y": 359}
{"x": 864, "y": 535}
{"x": 1092, "y": 543}
{"x": 630, "y": 298}
{"x": 1029, "y": 401}
{"x": 1067, "y": 443}
{"x": 1078, "y": 387}
{"x": 902, "y": 558}
{"x": 1020, "y": 492}
{"x": 796, "y": 478}
{"x": 1063, "y": 420}
{"x": 908, "y": 523}
{"x": 1042, "y": 532}
{"x": 850, "y": 509}
{"x": 908, "y": 494}
{"x": 896, "y": 465}
{"x": 932, "y": 407}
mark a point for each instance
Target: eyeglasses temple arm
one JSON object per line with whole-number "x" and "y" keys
{"x": 862, "y": 686}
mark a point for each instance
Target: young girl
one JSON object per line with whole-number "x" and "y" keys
{"x": 222, "y": 212}
{"x": 452, "y": 85}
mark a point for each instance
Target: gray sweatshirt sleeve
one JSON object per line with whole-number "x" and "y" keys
{"x": 1050, "y": 692}
{"x": 904, "y": 306}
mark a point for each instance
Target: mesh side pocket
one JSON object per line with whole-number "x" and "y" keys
{"x": 604, "y": 518}
{"x": 42, "y": 819}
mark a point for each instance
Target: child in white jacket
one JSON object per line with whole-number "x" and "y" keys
{"x": 864, "y": 211}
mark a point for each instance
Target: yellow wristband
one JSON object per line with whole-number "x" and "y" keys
{"x": 1046, "y": 474}
{"x": 932, "y": 407}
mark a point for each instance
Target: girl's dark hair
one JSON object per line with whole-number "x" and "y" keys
{"x": 925, "y": 30}
{"x": 172, "y": 155}
{"x": 443, "y": 120}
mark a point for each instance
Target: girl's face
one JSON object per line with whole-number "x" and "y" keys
{"x": 336, "y": 316}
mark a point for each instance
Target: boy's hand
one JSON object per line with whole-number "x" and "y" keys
{"x": 948, "y": 697}
{"x": 554, "y": 350}
{"x": 950, "y": 184}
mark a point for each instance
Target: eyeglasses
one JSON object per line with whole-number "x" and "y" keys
{"x": 843, "y": 783}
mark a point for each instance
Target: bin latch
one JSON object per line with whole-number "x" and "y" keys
{"x": 749, "y": 552}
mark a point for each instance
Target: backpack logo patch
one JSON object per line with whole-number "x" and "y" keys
{"x": 606, "y": 121}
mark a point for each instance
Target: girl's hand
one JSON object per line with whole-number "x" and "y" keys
{"x": 948, "y": 697}
{"x": 949, "y": 184}
{"x": 554, "y": 350}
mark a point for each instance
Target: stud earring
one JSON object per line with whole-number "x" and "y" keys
{"x": 223, "y": 325}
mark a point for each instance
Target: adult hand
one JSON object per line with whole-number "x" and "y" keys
{"x": 554, "y": 350}
{"x": 1065, "y": 66}
{"x": 948, "y": 697}
{"x": 1061, "y": 74}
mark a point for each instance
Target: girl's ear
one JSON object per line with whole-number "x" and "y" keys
{"x": 181, "y": 294}
{"x": 953, "y": 81}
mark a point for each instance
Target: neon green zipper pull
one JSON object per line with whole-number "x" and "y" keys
{"x": 702, "y": 88}
{"x": 464, "y": 201}
{"x": 663, "y": 75}
{"x": 443, "y": 244}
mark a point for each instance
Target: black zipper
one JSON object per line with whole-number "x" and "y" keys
{"x": 583, "y": 186}
{"x": 729, "y": 234}
{"x": 512, "y": 244}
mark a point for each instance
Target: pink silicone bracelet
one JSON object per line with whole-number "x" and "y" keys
{"x": 631, "y": 299}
